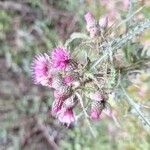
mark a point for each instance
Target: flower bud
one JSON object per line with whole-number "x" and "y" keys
{"x": 66, "y": 115}
{"x": 56, "y": 106}
{"x": 57, "y": 81}
{"x": 70, "y": 102}
{"x": 89, "y": 18}
{"x": 103, "y": 21}
{"x": 95, "y": 111}
{"x": 91, "y": 24}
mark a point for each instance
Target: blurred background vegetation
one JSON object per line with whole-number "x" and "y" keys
{"x": 28, "y": 27}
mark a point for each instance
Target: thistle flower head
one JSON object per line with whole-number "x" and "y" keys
{"x": 91, "y": 24}
{"x": 58, "y": 102}
{"x": 60, "y": 58}
{"x": 56, "y": 106}
{"x": 88, "y": 17}
{"x": 66, "y": 116}
{"x": 40, "y": 70}
{"x": 96, "y": 109}
{"x": 95, "y": 114}
{"x": 103, "y": 21}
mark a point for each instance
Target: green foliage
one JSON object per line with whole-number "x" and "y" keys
{"x": 146, "y": 11}
{"x": 139, "y": 28}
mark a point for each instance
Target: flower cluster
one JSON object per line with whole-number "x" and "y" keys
{"x": 66, "y": 76}
{"x": 57, "y": 72}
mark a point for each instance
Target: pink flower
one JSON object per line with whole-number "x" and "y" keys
{"x": 97, "y": 96}
{"x": 60, "y": 58}
{"x": 58, "y": 102}
{"x": 68, "y": 79}
{"x": 56, "y": 106}
{"x": 90, "y": 21}
{"x": 95, "y": 113}
{"x": 66, "y": 115}
{"x": 96, "y": 109}
{"x": 89, "y": 18}
{"x": 40, "y": 70}
{"x": 91, "y": 24}
{"x": 103, "y": 21}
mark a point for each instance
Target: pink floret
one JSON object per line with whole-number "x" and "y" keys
{"x": 103, "y": 21}
{"x": 56, "y": 106}
{"x": 66, "y": 115}
{"x": 95, "y": 114}
{"x": 60, "y": 58}
{"x": 39, "y": 68}
{"x": 88, "y": 17}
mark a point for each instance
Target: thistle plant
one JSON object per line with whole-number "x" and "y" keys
{"x": 89, "y": 68}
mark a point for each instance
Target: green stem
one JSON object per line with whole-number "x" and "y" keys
{"x": 134, "y": 105}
